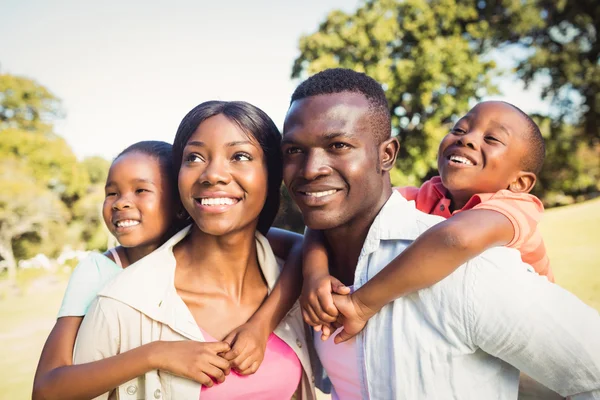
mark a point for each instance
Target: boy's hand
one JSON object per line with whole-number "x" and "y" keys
{"x": 199, "y": 361}
{"x": 353, "y": 316}
{"x": 318, "y": 309}
{"x": 248, "y": 344}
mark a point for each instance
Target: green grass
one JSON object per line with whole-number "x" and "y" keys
{"x": 572, "y": 236}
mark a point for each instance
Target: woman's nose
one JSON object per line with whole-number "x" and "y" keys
{"x": 216, "y": 172}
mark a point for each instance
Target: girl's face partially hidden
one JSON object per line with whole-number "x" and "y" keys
{"x": 223, "y": 177}
{"x": 138, "y": 207}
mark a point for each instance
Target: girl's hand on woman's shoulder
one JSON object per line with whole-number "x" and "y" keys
{"x": 248, "y": 345}
{"x": 202, "y": 362}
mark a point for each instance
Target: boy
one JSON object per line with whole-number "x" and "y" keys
{"x": 488, "y": 165}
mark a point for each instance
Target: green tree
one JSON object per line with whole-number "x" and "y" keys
{"x": 26, "y": 104}
{"x": 25, "y": 207}
{"x": 426, "y": 54}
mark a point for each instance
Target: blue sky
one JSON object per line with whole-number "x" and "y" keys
{"x": 130, "y": 70}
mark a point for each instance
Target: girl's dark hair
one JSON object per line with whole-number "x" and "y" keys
{"x": 256, "y": 124}
{"x": 163, "y": 153}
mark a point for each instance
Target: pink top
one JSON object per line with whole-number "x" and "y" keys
{"x": 341, "y": 364}
{"x": 277, "y": 377}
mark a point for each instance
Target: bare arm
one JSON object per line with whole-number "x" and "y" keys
{"x": 286, "y": 245}
{"x": 434, "y": 255}
{"x": 57, "y": 378}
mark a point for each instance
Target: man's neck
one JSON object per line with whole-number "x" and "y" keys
{"x": 346, "y": 241}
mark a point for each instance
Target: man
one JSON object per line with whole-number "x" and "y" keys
{"x": 465, "y": 337}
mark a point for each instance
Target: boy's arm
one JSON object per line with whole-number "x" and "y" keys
{"x": 316, "y": 300}
{"x": 429, "y": 259}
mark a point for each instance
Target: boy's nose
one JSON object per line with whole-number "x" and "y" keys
{"x": 469, "y": 139}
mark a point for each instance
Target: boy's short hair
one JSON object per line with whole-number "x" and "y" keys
{"x": 339, "y": 80}
{"x": 534, "y": 159}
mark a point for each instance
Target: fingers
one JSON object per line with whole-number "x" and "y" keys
{"x": 218, "y": 347}
{"x": 215, "y": 373}
{"x": 343, "y": 336}
{"x": 326, "y": 332}
{"x": 230, "y": 339}
{"x": 204, "y": 379}
{"x": 310, "y": 317}
{"x": 252, "y": 369}
{"x": 338, "y": 287}
{"x": 324, "y": 307}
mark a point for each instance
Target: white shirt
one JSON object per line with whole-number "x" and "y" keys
{"x": 467, "y": 336}
{"x": 141, "y": 306}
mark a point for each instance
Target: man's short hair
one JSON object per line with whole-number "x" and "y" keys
{"x": 339, "y": 80}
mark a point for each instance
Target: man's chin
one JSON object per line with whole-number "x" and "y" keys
{"x": 320, "y": 220}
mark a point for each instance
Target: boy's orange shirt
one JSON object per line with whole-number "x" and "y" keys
{"x": 522, "y": 209}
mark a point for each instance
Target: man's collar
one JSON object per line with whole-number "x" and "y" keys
{"x": 397, "y": 220}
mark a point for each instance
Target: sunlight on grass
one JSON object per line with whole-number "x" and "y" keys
{"x": 572, "y": 236}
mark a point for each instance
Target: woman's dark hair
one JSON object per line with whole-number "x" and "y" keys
{"x": 256, "y": 124}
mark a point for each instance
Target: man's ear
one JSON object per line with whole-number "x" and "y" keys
{"x": 524, "y": 182}
{"x": 388, "y": 151}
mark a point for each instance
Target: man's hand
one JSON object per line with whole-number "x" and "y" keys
{"x": 353, "y": 316}
{"x": 199, "y": 361}
{"x": 248, "y": 344}
{"x": 318, "y": 308}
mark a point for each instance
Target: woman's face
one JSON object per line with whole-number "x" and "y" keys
{"x": 223, "y": 177}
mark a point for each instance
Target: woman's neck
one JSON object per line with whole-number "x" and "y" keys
{"x": 219, "y": 263}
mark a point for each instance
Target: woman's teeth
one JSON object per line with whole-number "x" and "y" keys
{"x": 217, "y": 201}
{"x": 320, "y": 194}
{"x": 127, "y": 223}
{"x": 462, "y": 160}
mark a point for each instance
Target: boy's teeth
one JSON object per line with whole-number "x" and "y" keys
{"x": 321, "y": 194}
{"x": 216, "y": 201}
{"x": 126, "y": 223}
{"x": 462, "y": 160}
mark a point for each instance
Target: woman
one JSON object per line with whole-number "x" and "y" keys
{"x": 211, "y": 277}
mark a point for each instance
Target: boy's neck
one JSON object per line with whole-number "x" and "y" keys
{"x": 459, "y": 199}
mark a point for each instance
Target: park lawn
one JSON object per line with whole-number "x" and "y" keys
{"x": 572, "y": 236}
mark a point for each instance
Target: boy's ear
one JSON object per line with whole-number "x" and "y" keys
{"x": 523, "y": 183}
{"x": 388, "y": 151}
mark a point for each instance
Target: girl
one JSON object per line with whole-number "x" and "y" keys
{"x": 139, "y": 210}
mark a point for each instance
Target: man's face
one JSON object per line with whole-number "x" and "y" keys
{"x": 330, "y": 159}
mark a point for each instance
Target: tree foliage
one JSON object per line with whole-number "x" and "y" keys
{"x": 46, "y": 194}
{"x": 425, "y": 55}
{"x": 434, "y": 59}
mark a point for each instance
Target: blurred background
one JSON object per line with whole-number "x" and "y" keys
{"x": 81, "y": 81}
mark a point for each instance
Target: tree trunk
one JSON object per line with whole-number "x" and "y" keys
{"x": 6, "y": 252}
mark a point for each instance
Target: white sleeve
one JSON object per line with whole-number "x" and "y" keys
{"x": 537, "y": 326}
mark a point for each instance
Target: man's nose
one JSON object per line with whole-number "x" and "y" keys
{"x": 216, "y": 172}
{"x": 315, "y": 165}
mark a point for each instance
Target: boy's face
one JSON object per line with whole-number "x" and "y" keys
{"x": 483, "y": 151}
{"x": 330, "y": 159}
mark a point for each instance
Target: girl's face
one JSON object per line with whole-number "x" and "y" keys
{"x": 223, "y": 177}
{"x": 138, "y": 207}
